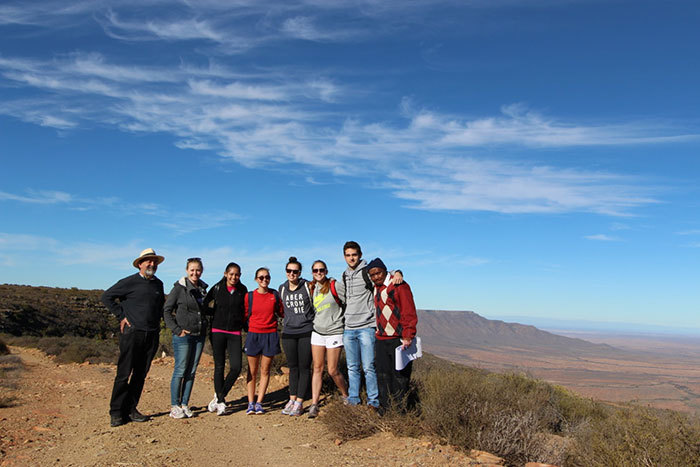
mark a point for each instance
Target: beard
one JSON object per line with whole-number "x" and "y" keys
{"x": 149, "y": 272}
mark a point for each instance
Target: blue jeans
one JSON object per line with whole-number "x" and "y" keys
{"x": 187, "y": 350}
{"x": 359, "y": 349}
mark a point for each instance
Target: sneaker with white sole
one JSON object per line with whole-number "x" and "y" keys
{"x": 288, "y": 408}
{"x": 186, "y": 410}
{"x": 313, "y": 411}
{"x": 297, "y": 410}
{"x": 176, "y": 412}
{"x": 220, "y": 408}
{"x": 212, "y": 405}
{"x": 251, "y": 409}
{"x": 259, "y": 409}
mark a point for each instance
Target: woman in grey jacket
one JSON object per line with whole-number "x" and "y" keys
{"x": 327, "y": 337}
{"x": 183, "y": 315}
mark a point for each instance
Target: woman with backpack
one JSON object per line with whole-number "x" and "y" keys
{"x": 225, "y": 302}
{"x": 327, "y": 336}
{"x": 296, "y": 335}
{"x": 262, "y": 307}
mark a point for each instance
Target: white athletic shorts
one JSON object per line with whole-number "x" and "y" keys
{"x": 329, "y": 342}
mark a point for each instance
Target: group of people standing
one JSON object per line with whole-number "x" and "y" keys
{"x": 369, "y": 312}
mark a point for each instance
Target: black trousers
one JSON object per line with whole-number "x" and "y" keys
{"x": 221, "y": 343}
{"x": 393, "y": 385}
{"x": 298, "y": 352}
{"x": 136, "y": 351}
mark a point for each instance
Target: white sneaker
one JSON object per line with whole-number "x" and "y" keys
{"x": 186, "y": 410}
{"x": 212, "y": 407}
{"x": 220, "y": 408}
{"x": 176, "y": 412}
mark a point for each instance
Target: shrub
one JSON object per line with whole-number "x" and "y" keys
{"x": 633, "y": 436}
{"x": 4, "y": 349}
{"x": 359, "y": 421}
{"x": 526, "y": 420}
{"x": 68, "y": 349}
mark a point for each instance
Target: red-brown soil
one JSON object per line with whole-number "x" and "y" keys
{"x": 60, "y": 417}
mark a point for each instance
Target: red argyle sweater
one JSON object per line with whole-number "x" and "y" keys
{"x": 396, "y": 312}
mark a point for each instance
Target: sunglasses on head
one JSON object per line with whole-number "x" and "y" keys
{"x": 292, "y": 271}
{"x": 264, "y": 278}
{"x": 318, "y": 270}
{"x": 189, "y": 260}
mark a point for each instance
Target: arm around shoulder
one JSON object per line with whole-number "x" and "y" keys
{"x": 409, "y": 316}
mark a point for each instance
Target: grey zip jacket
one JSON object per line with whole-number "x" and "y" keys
{"x": 359, "y": 302}
{"x": 183, "y": 308}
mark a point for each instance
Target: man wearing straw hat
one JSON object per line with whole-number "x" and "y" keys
{"x": 137, "y": 302}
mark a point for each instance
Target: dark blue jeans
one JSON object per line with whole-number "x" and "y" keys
{"x": 187, "y": 350}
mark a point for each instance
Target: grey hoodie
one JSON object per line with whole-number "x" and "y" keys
{"x": 183, "y": 308}
{"x": 359, "y": 308}
{"x": 298, "y": 311}
{"x": 329, "y": 315}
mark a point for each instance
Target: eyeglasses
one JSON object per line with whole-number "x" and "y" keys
{"x": 316, "y": 271}
{"x": 293, "y": 271}
{"x": 264, "y": 278}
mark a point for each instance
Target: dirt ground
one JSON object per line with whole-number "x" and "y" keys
{"x": 59, "y": 416}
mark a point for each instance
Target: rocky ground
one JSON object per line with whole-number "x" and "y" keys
{"x": 59, "y": 416}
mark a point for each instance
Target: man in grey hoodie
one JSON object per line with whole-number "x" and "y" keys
{"x": 360, "y": 324}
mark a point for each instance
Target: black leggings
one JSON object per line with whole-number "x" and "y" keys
{"x": 298, "y": 352}
{"x": 222, "y": 342}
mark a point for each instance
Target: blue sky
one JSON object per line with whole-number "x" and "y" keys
{"x": 513, "y": 158}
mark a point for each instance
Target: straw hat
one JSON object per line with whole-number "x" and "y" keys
{"x": 148, "y": 253}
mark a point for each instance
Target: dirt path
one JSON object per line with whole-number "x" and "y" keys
{"x": 61, "y": 417}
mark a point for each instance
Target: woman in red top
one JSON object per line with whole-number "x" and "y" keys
{"x": 262, "y": 307}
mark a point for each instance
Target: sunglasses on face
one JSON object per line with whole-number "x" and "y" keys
{"x": 319, "y": 270}
{"x": 292, "y": 271}
{"x": 264, "y": 278}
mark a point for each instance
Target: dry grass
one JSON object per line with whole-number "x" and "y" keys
{"x": 71, "y": 349}
{"x": 526, "y": 420}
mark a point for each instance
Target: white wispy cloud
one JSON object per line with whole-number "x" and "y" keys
{"x": 463, "y": 184}
{"x": 602, "y": 238}
{"x": 258, "y": 124}
{"x": 38, "y": 197}
{"x": 177, "y": 221}
{"x": 281, "y": 116}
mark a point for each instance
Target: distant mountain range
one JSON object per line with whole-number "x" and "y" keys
{"x": 468, "y": 330}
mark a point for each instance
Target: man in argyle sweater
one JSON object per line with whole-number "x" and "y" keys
{"x": 396, "y": 326}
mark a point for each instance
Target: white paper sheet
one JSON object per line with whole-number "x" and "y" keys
{"x": 413, "y": 351}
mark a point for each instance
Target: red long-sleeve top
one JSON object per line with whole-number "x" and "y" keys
{"x": 261, "y": 318}
{"x": 395, "y": 311}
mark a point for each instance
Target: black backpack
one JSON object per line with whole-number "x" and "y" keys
{"x": 369, "y": 285}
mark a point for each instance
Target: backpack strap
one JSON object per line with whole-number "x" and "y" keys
{"x": 335, "y": 294}
{"x": 250, "y": 303}
{"x": 278, "y": 300}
